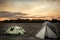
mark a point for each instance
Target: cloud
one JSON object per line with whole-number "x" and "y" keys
{"x": 12, "y": 15}
{"x": 32, "y": 8}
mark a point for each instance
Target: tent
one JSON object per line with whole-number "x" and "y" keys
{"x": 15, "y": 30}
{"x": 48, "y": 31}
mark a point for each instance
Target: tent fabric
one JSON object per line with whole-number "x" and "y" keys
{"x": 41, "y": 34}
{"x": 50, "y": 25}
{"x": 48, "y": 31}
{"x": 15, "y": 30}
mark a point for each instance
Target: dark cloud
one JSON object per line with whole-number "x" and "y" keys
{"x": 2, "y": 1}
{"x": 12, "y": 15}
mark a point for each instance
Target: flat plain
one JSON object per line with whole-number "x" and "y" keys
{"x": 31, "y": 30}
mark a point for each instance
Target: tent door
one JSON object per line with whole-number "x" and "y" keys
{"x": 11, "y": 29}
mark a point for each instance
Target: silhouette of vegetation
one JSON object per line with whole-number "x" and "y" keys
{"x": 29, "y": 21}
{"x": 55, "y": 21}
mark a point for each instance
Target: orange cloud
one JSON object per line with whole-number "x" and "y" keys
{"x": 2, "y": 19}
{"x": 34, "y": 9}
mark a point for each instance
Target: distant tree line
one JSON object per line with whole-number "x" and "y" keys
{"x": 29, "y": 21}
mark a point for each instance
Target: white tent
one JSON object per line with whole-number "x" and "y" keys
{"x": 48, "y": 31}
{"x": 15, "y": 30}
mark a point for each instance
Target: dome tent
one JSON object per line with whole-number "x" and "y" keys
{"x": 15, "y": 30}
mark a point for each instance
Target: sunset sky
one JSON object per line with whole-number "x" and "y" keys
{"x": 33, "y": 9}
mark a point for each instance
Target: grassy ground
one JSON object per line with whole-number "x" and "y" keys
{"x": 31, "y": 28}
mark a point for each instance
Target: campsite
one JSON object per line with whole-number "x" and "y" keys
{"x": 31, "y": 30}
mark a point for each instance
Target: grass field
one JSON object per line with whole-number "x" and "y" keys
{"x": 31, "y": 28}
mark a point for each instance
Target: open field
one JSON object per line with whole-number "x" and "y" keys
{"x": 31, "y": 28}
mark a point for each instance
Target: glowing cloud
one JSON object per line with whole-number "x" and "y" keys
{"x": 33, "y": 8}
